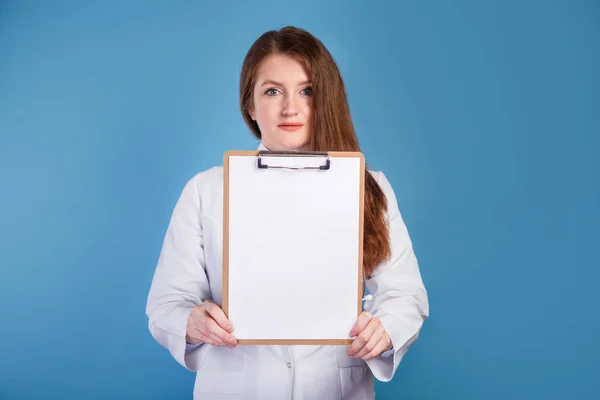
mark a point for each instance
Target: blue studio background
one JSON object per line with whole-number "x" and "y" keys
{"x": 484, "y": 115}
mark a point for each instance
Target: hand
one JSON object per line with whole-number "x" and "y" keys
{"x": 371, "y": 338}
{"x": 207, "y": 323}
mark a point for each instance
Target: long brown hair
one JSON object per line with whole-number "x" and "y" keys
{"x": 332, "y": 128}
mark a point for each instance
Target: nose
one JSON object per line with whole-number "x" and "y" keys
{"x": 289, "y": 106}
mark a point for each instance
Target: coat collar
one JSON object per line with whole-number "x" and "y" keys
{"x": 261, "y": 146}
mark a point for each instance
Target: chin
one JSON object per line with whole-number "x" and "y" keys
{"x": 298, "y": 147}
{"x": 294, "y": 144}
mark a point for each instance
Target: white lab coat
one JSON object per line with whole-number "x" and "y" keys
{"x": 189, "y": 271}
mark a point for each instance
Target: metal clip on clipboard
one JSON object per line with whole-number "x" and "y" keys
{"x": 264, "y": 153}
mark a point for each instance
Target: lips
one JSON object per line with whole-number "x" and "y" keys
{"x": 290, "y": 127}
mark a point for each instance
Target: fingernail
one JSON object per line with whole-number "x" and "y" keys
{"x": 228, "y": 328}
{"x": 232, "y": 341}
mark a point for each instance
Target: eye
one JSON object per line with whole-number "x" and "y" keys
{"x": 271, "y": 92}
{"x": 307, "y": 91}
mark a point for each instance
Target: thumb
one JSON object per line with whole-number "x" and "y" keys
{"x": 361, "y": 323}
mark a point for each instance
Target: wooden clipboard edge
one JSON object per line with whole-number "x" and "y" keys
{"x": 361, "y": 230}
{"x": 293, "y": 341}
{"x": 225, "y": 289}
{"x": 225, "y": 268}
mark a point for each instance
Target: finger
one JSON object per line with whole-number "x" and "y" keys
{"x": 199, "y": 337}
{"x": 361, "y": 323}
{"x": 197, "y": 313}
{"x": 217, "y": 340}
{"x": 219, "y": 332}
{"x": 379, "y": 348}
{"x": 219, "y": 316}
{"x": 369, "y": 347}
{"x": 371, "y": 344}
{"x": 363, "y": 339}
{"x": 192, "y": 338}
{"x": 193, "y": 327}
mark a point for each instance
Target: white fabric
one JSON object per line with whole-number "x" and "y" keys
{"x": 189, "y": 271}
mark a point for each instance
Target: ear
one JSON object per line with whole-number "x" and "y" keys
{"x": 252, "y": 113}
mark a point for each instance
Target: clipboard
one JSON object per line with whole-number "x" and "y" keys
{"x": 293, "y": 226}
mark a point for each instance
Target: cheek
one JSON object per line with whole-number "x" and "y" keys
{"x": 308, "y": 108}
{"x": 266, "y": 111}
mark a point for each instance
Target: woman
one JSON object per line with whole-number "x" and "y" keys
{"x": 293, "y": 98}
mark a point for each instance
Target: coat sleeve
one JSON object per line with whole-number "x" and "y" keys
{"x": 399, "y": 297}
{"x": 180, "y": 282}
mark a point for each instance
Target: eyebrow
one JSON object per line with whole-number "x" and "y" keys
{"x": 271, "y": 82}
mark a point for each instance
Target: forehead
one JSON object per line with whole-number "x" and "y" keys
{"x": 281, "y": 68}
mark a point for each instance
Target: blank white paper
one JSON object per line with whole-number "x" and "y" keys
{"x": 293, "y": 248}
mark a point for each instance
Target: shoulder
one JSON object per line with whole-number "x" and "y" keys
{"x": 202, "y": 184}
{"x": 206, "y": 179}
{"x": 207, "y": 176}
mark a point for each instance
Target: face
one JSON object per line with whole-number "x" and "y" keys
{"x": 282, "y": 103}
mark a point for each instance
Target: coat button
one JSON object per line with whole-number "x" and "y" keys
{"x": 289, "y": 365}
